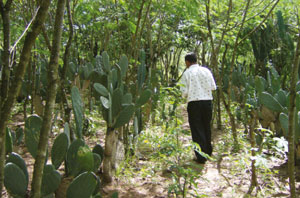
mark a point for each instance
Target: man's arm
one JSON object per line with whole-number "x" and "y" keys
{"x": 184, "y": 86}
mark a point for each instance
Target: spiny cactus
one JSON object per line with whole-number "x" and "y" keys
{"x": 82, "y": 186}
{"x": 15, "y": 180}
{"x": 98, "y": 149}
{"x": 59, "y": 149}
{"x": 19, "y": 161}
{"x": 78, "y": 110}
{"x": 73, "y": 167}
{"x": 85, "y": 159}
{"x": 33, "y": 126}
{"x": 270, "y": 102}
{"x": 50, "y": 181}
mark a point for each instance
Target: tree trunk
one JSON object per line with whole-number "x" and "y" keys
{"x": 67, "y": 108}
{"x": 5, "y": 14}
{"x": 110, "y": 148}
{"x": 50, "y": 102}
{"x": 113, "y": 153}
{"x": 17, "y": 82}
{"x": 253, "y": 154}
{"x": 292, "y": 112}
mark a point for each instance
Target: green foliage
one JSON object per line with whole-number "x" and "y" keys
{"x": 260, "y": 83}
{"x": 15, "y": 180}
{"x": 124, "y": 116}
{"x": 33, "y": 125}
{"x": 19, "y": 161}
{"x": 50, "y": 181}
{"x": 98, "y": 149}
{"x": 85, "y": 159}
{"x": 270, "y": 102}
{"x": 82, "y": 186}
{"x": 72, "y": 163}
{"x": 144, "y": 97}
{"x": 123, "y": 65}
{"x": 141, "y": 70}
{"x": 78, "y": 110}
{"x": 8, "y": 141}
{"x": 117, "y": 102}
{"x": 101, "y": 89}
{"x": 59, "y": 149}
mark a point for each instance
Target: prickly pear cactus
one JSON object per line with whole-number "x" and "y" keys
{"x": 19, "y": 161}
{"x": 78, "y": 110}
{"x": 72, "y": 164}
{"x": 33, "y": 125}
{"x": 82, "y": 186}
{"x": 59, "y": 149}
{"x": 98, "y": 149}
{"x": 124, "y": 116}
{"x": 15, "y": 180}
{"x": 85, "y": 159}
{"x": 50, "y": 181}
{"x": 270, "y": 102}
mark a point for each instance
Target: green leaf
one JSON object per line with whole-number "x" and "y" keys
{"x": 105, "y": 102}
{"x": 101, "y": 89}
{"x": 85, "y": 159}
{"x": 98, "y": 149}
{"x": 15, "y": 180}
{"x": 73, "y": 167}
{"x": 105, "y": 59}
{"x": 260, "y": 83}
{"x": 123, "y": 65}
{"x": 19, "y": 161}
{"x": 116, "y": 102}
{"x": 270, "y": 102}
{"x": 51, "y": 180}
{"x": 124, "y": 116}
{"x": 33, "y": 125}
{"x": 127, "y": 99}
{"x": 82, "y": 186}
{"x": 67, "y": 131}
{"x": 145, "y": 96}
{"x": 78, "y": 110}
{"x": 284, "y": 122}
{"x": 142, "y": 70}
{"x": 59, "y": 150}
{"x": 282, "y": 98}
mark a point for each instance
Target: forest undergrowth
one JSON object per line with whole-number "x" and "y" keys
{"x": 163, "y": 165}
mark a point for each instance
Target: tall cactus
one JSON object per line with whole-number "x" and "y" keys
{"x": 33, "y": 125}
{"x": 78, "y": 110}
{"x": 116, "y": 102}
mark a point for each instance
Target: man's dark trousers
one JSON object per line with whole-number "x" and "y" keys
{"x": 200, "y": 115}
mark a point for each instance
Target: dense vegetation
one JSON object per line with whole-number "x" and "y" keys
{"x": 96, "y": 84}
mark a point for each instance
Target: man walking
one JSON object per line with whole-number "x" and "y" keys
{"x": 198, "y": 83}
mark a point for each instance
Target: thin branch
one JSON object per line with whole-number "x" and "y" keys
{"x": 252, "y": 31}
{"x": 27, "y": 28}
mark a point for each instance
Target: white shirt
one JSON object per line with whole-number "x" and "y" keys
{"x": 198, "y": 83}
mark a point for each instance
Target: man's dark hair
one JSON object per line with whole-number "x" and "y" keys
{"x": 191, "y": 57}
